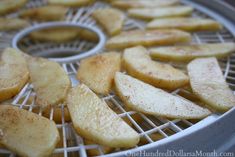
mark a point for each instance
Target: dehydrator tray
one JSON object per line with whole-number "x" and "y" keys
{"x": 157, "y": 133}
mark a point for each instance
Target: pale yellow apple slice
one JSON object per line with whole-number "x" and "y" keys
{"x": 208, "y": 83}
{"x": 186, "y": 24}
{"x": 8, "y": 24}
{"x": 147, "y": 38}
{"x": 138, "y": 64}
{"x": 50, "y": 81}
{"x": 145, "y": 98}
{"x": 190, "y": 52}
{"x": 97, "y": 72}
{"x": 58, "y": 35}
{"x": 14, "y": 73}
{"x": 45, "y": 13}
{"x": 70, "y": 3}
{"x": 94, "y": 120}
{"x": 26, "y": 133}
{"x": 7, "y": 6}
{"x": 151, "y": 13}
{"x": 110, "y": 19}
{"x": 124, "y": 4}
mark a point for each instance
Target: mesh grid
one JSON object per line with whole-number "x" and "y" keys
{"x": 150, "y": 128}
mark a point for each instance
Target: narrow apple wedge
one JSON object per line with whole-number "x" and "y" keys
{"x": 58, "y": 35}
{"x": 147, "y": 38}
{"x": 186, "y": 24}
{"x": 8, "y": 6}
{"x": 145, "y": 98}
{"x": 14, "y": 73}
{"x": 8, "y": 24}
{"x": 110, "y": 19}
{"x": 26, "y": 133}
{"x": 124, "y": 4}
{"x": 138, "y": 64}
{"x": 70, "y": 3}
{"x": 94, "y": 120}
{"x": 208, "y": 83}
{"x": 50, "y": 81}
{"x": 45, "y": 13}
{"x": 152, "y": 13}
{"x": 97, "y": 72}
{"x": 190, "y": 52}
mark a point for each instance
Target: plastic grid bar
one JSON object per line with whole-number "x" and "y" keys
{"x": 147, "y": 126}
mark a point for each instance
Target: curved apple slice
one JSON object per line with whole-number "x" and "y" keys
{"x": 139, "y": 64}
{"x": 165, "y": 12}
{"x": 110, "y": 19}
{"x": 209, "y": 85}
{"x": 50, "y": 81}
{"x": 147, "y": 38}
{"x": 124, "y": 4}
{"x": 145, "y": 98}
{"x": 45, "y": 13}
{"x": 70, "y": 3}
{"x": 27, "y": 133}
{"x": 186, "y": 24}
{"x": 98, "y": 71}
{"x": 94, "y": 120}
{"x": 190, "y": 52}
{"x": 14, "y": 73}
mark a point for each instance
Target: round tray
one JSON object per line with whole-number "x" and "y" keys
{"x": 172, "y": 134}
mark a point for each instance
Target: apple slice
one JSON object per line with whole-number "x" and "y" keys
{"x": 45, "y": 13}
{"x": 147, "y": 38}
{"x": 94, "y": 120}
{"x": 124, "y": 4}
{"x": 110, "y": 19}
{"x": 186, "y": 24}
{"x": 50, "y": 81}
{"x": 26, "y": 133}
{"x": 145, "y": 98}
{"x": 98, "y": 71}
{"x": 151, "y": 13}
{"x": 190, "y": 52}
{"x": 14, "y": 73}
{"x": 139, "y": 65}
{"x": 70, "y": 3}
{"x": 208, "y": 83}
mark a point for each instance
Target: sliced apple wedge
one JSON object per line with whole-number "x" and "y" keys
{"x": 8, "y": 6}
{"x": 58, "y": 35}
{"x": 209, "y": 85}
{"x": 50, "y": 81}
{"x": 147, "y": 38}
{"x": 8, "y": 24}
{"x": 124, "y": 4}
{"x": 110, "y": 19}
{"x": 97, "y": 72}
{"x": 151, "y": 13}
{"x": 94, "y": 120}
{"x": 190, "y": 52}
{"x": 69, "y": 3}
{"x": 145, "y": 98}
{"x": 138, "y": 64}
{"x": 14, "y": 73}
{"x": 45, "y": 13}
{"x": 186, "y": 24}
{"x": 26, "y": 133}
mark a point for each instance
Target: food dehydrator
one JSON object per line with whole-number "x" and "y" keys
{"x": 215, "y": 133}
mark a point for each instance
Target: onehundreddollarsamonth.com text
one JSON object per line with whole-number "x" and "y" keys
{"x": 180, "y": 153}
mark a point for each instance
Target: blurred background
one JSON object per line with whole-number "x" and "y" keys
{"x": 231, "y": 2}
